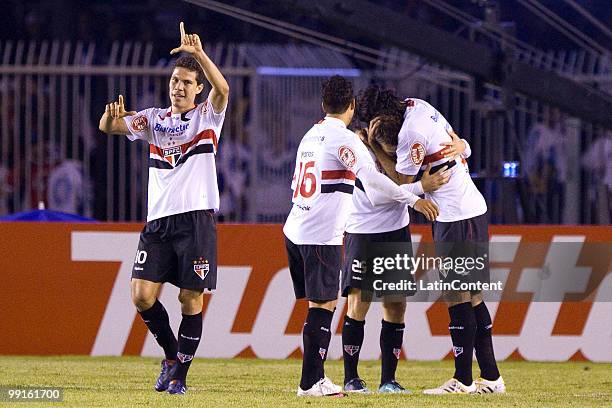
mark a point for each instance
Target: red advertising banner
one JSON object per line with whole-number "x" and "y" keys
{"x": 65, "y": 290}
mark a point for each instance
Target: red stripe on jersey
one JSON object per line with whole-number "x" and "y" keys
{"x": 434, "y": 157}
{"x": 205, "y": 134}
{"x": 337, "y": 174}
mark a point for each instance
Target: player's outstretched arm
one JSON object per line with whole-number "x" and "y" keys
{"x": 191, "y": 44}
{"x": 112, "y": 122}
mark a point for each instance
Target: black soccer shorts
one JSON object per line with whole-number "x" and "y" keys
{"x": 467, "y": 238}
{"x": 356, "y": 247}
{"x": 180, "y": 249}
{"x": 315, "y": 270}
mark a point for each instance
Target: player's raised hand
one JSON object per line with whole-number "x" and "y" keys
{"x": 117, "y": 110}
{"x": 427, "y": 208}
{"x": 432, "y": 182}
{"x": 453, "y": 148}
{"x": 372, "y": 131}
{"x": 190, "y": 43}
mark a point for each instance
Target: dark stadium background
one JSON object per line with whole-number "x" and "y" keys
{"x": 108, "y": 178}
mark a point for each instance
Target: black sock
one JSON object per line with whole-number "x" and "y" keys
{"x": 156, "y": 319}
{"x": 463, "y": 330}
{"x": 316, "y": 336}
{"x": 391, "y": 338}
{"x": 483, "y": 343}
{"x": 352, "y": 340}
{"x": 190, "y": 332}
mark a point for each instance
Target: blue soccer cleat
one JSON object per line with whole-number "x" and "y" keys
{"x": 392, "y": 387}
{"x": 167, "y": 371}
{"x": 177, "y": 387}
{"x": 356, "y": 385}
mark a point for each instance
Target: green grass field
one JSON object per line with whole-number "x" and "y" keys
{"x": 128, "y": 381}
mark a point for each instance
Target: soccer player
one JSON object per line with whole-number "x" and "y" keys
{"x": 329, "y": 158}
{"x": 179, "y": 241}
{"x": 368, "y": 224}
{"x": 427, "y": 138}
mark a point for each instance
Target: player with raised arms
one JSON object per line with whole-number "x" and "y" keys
{"x": 329, "y": 159}
{"x": 367, "y": 224}
{"x": 461, "y": 229}
{"x": 179, "y": 241}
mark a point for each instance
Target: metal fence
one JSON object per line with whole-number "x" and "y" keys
{"x": 52, "y": 95}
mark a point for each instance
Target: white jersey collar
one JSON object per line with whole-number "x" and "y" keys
{"x": 334, "y": 121}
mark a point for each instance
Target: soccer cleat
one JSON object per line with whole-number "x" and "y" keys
{"x": 167, "y": 370}
{"x": 452, "y": 386}
{"x": 392, "y": 387}
{"x": 356, "y": 385}
{"x": 177, "y": 387}
{"x": 329, "y": 383}
{"x": 490, "y": 387}
{"x": 323, "y": 388}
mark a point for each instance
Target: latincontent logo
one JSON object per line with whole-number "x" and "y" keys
{"x": 393, "y": 269}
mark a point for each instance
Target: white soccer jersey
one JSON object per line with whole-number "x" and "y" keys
{"x": 422, "y": 132}
{"x": 367, "y": 218}
{"x": 182, "y": 147}
{"x": 327, "y": 160}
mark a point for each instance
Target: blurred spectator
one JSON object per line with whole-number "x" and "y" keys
{"x": 597, "y": 160}
{"x": 68, "y": 190}
{"x": 546, "y": 167}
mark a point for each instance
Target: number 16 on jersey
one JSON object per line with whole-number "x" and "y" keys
{"x": 306, "y": 180}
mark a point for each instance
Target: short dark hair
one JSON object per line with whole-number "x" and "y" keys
{"x": 190, "y": 63}
{"x": 388, "y": 129}
{"x": 375, "y": 101}
{"x": 337, "y": 94}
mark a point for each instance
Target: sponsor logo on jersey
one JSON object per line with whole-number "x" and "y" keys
{"x": 347, "y": 156}
{"x": 205, "y": 106}
{"x": 397, "y": 352}
{"x": 171, "y": 129}
{"x": 322, "y": 352}
{"x": 350, "y": 349}
{"x": 457, "y": 350}
{"x": 172, "y": 154}
{"x": 201, "y": 267}
{"x": 435, "y": 116}
{"x": 417, "y": 153}
{"x": 183, "y": 358}
{"x": 140, "y": 123}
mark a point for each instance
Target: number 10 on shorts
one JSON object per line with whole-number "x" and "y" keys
{"x": 141, "y": 257}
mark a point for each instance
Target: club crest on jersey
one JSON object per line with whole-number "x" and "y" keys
{"x": 140, "y": 123}
{"x": 322, "y": 352}
{"x": 350, "y": 349}
{"x": 417, "y": 153}
{"x": 201, "y": 267}
{"x": 397, "y": 352}
{"x": 457, "y": 350}
{"x": 172, "y": 154}
{"x": 347, "y": 156}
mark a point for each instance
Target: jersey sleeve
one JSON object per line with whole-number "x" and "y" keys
{"x": 211, "y": 119}
{"x": 353, "y": 154}
{"x": 410, "y": 152}
{"x": 139, "y": 125}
